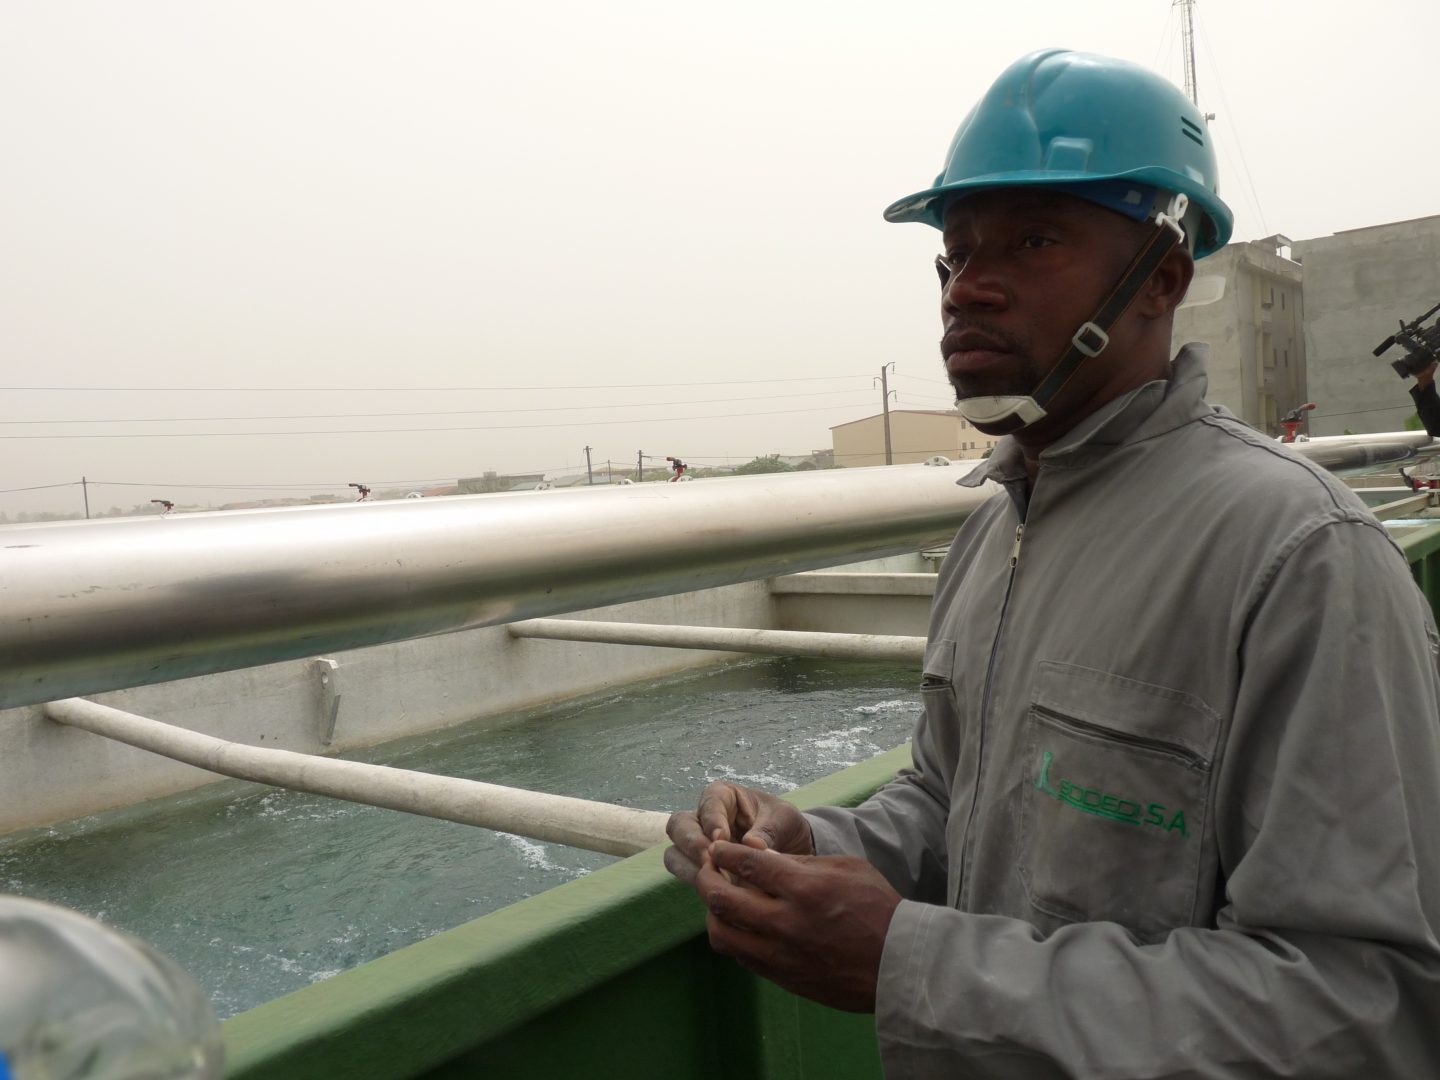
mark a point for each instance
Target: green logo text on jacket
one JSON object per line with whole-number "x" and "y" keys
{"x": 1106, "y": 804}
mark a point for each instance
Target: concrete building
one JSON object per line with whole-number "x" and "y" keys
{"x": 1359, "y": 285}
{"x": 1255, "y": 331}
{"x": 915, "y": 434}
{"x": 1299, "y": 322}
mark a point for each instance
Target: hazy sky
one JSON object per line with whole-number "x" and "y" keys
{"x": 534, "y": 227}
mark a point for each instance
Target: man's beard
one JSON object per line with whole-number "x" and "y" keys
{"x": 1019, "y": 378}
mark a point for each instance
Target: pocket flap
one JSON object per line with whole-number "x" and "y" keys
{"x": 939, "y": 661}
{"x": 1127, "y": 706}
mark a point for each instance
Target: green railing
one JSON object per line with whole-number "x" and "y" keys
{"x": 1422, "y": 548}
{"x": 607, "y": 976}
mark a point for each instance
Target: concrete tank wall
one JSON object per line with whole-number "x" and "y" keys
{"x": 51, "y": 773}
{"x": 855, "y": 603}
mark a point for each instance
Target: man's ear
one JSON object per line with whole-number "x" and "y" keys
{"x": 1167, "y": 286}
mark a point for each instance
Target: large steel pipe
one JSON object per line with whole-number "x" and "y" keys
{"x": 1416, "y": 440}
{"x": 560, "y": 819}
{"x": 93, "y": 606}
{"x": 882, "y": 647}
{"x": 1347, "y": 453}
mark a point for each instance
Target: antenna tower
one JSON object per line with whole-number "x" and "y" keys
{"x": 1187, "y": 26}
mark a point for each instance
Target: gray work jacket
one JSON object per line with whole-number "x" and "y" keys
{"x": 1174, "y": 808}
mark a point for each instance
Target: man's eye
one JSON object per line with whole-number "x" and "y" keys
{"x": 946, "y": 265}
{"x": 1036, "y": 240}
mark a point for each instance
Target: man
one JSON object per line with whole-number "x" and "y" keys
{"x": 1177, "y": 775}
{"x": 1427, "y": 402}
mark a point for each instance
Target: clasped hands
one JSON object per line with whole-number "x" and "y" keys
{"x": 813, "y": 924}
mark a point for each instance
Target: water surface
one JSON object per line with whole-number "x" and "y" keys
{"x": 258, "y": 892}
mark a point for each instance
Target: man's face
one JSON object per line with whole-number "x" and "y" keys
{"x": 1030, "y": 267}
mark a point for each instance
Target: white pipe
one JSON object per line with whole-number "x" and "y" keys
{"x": 1407, "y": 507}
{"x": 902, "y": 650}
{"x": 559, "y": 819}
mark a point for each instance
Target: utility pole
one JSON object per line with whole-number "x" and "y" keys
{"x": 85, "y": 491}
{"x": 589, "y": 475}
{"x": 639, "y": 465}
{"x": 885, "y": 405}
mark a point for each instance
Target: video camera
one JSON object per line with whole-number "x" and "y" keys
{"x": 1422, "y": 346}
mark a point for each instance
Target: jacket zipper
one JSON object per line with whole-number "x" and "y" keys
{"x": 968, "y": 848}
{"x": 1162, "y": 746}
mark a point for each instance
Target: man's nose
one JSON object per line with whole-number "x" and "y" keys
{"x": 976, "y": 282}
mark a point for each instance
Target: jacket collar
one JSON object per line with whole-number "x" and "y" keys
{"x": 1147, "y": 411}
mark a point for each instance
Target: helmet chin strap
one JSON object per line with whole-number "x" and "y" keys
{"x": 1000, "y": 414}
{"x": 1007, "y": 413}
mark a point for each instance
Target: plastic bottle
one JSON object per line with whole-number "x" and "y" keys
{"x": 81, "y": 1001}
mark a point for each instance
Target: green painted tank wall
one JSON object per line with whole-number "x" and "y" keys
{"x": 607, "y": 976}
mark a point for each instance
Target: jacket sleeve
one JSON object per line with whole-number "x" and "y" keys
{"x": 900, "y": 830}
{"x": 1323, "y": 960}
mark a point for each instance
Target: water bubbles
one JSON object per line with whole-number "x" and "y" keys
{"x": 287, "y": 964}
{"x": 767, "y": 780}
{"x": 536, "y": 856}
{"x": 884, "y": 707}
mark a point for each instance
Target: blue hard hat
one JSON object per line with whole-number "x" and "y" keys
{"x": 1092, "y": 126}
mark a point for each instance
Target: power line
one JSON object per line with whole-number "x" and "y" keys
{"x": 1360, "y": 412}
{"x": 1163, "y": 50}
{"x": 434, "y": 412}
{"x": 424, "y": 430}
{"x": 39, "y": 487}
{"x": 264, "y": 487}
{"x": 409, "y": 389}
{"x": 922, "y": 378}
{"x": 408, "y": 483}
{"x": 1230, "y": 115}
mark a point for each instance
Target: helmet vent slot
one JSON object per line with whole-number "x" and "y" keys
{"x": 1192, "y": 131}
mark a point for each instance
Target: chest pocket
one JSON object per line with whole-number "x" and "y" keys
{"x": 938, "y": 736}
{"x": 1115, "y": 800}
